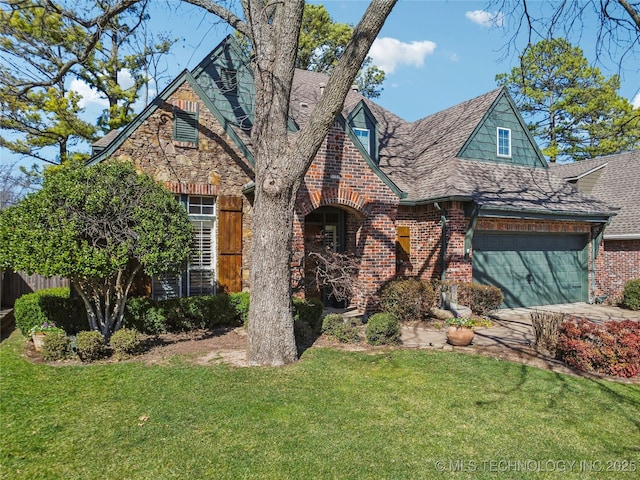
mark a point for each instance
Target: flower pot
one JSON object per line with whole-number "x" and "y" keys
{"x": 460, "y": 336}
{"x": 38, "y": 341}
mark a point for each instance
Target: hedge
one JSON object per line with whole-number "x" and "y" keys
{"x": 52, "y": 305}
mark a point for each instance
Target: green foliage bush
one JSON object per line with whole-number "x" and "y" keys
{"x": 481, "y": 299}
{"x": 52, "y": 305}
{"x": 309, "y": 311}
{"x": 383, "y": 329}
{"x": 207, "y": 311}
{"x": 330, "y": 322}
{"x": 56, "y": 346}
{"x": 90, "y": 346}
{"x": 240, "y": 302}
{"x": 631, "y": 295}
{"x": 125, "y": 342}
{"x": 343, "y": 330}
{"x": 408, "y": 299}
{"x": 152, "y": 317}
{"x": 304, "y": 333}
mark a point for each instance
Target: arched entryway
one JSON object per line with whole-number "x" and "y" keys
{"x": 326, "y": 228}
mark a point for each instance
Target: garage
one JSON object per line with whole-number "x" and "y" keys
{"x": 532, "y": 269}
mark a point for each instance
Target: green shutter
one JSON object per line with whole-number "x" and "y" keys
{"x": 185, "y": 126}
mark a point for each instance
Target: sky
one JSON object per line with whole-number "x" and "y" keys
{"x": 436, "y": 53}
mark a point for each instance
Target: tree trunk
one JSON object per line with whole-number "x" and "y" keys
{"x": 281, "y": 165}
{"x": 271, "y": 339}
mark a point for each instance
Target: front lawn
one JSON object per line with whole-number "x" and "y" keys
{"x": 390, "y": 414}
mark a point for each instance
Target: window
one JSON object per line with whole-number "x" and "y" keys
{"x": 504, "y": 142}
{"x": 363, "y": 136}
{"x": 201, "y": 205}
{"x": 185, "y": 126}
{"x": 200, "y": 275}
{"x": 201, "y": 272}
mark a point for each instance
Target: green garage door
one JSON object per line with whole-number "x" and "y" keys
{"x": 532, "y": 269}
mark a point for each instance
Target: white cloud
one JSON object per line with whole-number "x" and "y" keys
{"x": 89, "y": 95}
{"x": 388, "y": 53}
{"x": 125, "y": 80}
{"x": 92, "y": 98}
{"x": 486, "y": 19}
{"x": 636, "y": 101}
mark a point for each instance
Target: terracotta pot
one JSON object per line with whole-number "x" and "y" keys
{"x": 38, "y": 341}
{"x": 460, "y": 336}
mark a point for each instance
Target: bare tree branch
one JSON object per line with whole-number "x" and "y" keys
{"x": 98, "y": 23}
{"x": 223, "y": 13}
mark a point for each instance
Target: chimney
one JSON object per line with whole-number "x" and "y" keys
{"x": 322, "y": 85}
{"x": 354, "y": 87}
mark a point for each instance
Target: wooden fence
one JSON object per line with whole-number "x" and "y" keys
{"x": 15, "y": 284}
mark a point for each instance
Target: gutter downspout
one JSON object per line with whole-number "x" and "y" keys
{"x": 596, "y": 241}
{"x": 443, "y": 248}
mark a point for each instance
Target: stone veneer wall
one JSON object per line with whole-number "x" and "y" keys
{"x": 340, "y": 177}
{"x": 214, "y": 166}
{"x": 617, "y": 263}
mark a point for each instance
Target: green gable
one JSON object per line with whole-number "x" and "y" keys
{"x": 482, "y": 144}
{"x": 227, "y": 82}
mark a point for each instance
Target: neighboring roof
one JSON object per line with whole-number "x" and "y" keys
{"x": 106, "y": 140}
{"x": 618, "y": 185}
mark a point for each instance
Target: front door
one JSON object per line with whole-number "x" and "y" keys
{"x": 324, "y": 230}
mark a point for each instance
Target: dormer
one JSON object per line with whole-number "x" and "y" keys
{"x": 365, "y": 129}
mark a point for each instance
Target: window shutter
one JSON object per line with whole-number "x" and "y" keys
{"x": 230, "y": 243}
{"x": 403, "y": 251}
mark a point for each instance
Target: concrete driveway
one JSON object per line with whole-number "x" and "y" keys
{"x": 512, "y": 326}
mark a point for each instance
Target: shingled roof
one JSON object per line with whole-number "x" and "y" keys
{"x": 618, "y": 185}
{"x": 419, "y": 160}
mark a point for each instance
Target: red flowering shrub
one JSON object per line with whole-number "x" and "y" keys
{"x": 612, "y": 348}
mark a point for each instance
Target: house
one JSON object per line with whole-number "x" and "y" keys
{"x": 615, "y": 180}
{"x": 463, "y": 194}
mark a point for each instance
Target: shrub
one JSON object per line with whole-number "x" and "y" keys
{"x": 207, "y": 311}
{"x": 135, "y": 312}
{"x": 481, "y": 299}
{"x": 125, "y": 342}
{"x": 52, "y": 305}
{"x": 631, "y": 295}
{"x": 187, "y": 313}
{"x": 330, "y": 322}
{"x": 309, "y": 311}
{"x": 612, "y": 348}
{"x": 304, "y": 333}
{"x": 408, "y": 299}
{"x": 343, "y": 330}
{"x": 383, "y": 329}
{"x": 240, "y": 302}
{"x": 56, "y": 346}
{"x": 153, "y": 316}
{"x": 546, "y": 327}
{"x": 90, "y": 346}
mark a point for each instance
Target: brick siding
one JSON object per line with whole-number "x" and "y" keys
{"x": 617, "y": 263}
{"x": 340, "y": 177}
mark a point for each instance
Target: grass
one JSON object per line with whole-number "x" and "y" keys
{"x": 393, "y": 414}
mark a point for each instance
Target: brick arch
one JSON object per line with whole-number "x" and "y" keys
{"x": 334, "y": 196}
